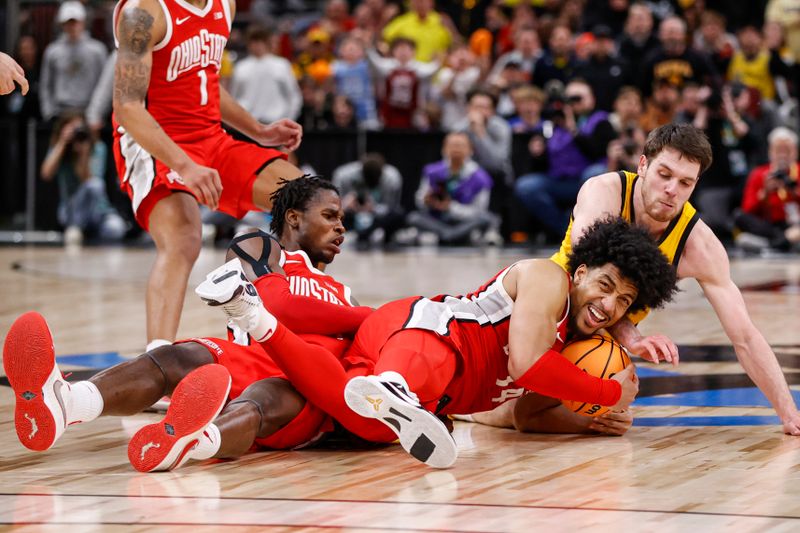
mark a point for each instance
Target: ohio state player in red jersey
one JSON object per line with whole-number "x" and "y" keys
{"x": 168, "y": 109}
{"x": 456, "y": 355}
{"x": 269, "y": 412}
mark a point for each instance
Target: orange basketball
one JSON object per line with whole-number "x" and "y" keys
{"x": 600, "y": 356}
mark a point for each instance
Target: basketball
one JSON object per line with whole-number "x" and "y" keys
{"x": 600, "y": 356}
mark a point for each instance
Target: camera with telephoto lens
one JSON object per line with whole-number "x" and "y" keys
{"x": 81, "y": 134}
{"x": 782, "y": 176}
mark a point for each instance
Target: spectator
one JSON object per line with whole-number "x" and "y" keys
{"x": 450, "y": 86}
{"x": 675, "y": 61}
{"x": 27, "y": 56}
{"x": 662, "y": 105}
{"x": 424, "y": 27}
{"x": 558, "y": 61}
{"x": 336, "y": 21}
{"x": 612, "y": 13}
{"x": 717, "y": 192}
{"x": 370, "y": 191}
{"x": 315, "y": 59}
{"x": 712, "y": 40}
{"x": 528, "y": 101}
{"x": 489, "y": 136}
{"x": 623, "y": 152}
{"x": 638, "y": 40}
{"x": 756, "y": 66}
{"x": 352, "y": 78}
{"x": 343, "y": 114}
{"x": 264, "y": 83}
{"x": 605, "y": 71}
{"x": 78, "y": 164}
{"x": 527, "y": 50}
{"x": 575, "y": 150}
{"x": 453, "y": 196}
{"x": 98, "y": 112}
{"x": 770, "y": 207}
{"x": 403, "y": 77}
{"x": 72, "y": 64}
{"x": 785, "y": 13}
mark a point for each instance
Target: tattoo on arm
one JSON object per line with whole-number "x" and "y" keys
{"x": 134, "y": 61}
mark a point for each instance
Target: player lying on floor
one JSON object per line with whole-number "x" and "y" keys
{"x": 456, "y": 355}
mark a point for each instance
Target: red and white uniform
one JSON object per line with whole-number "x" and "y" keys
{"x": 306, "y": 280}
{"x": 247, "y": 361}
{"x": 475, "y": 327}
{"x": 184, "y": 98}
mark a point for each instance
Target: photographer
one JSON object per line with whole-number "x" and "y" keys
{"x": 571, "y": 148}
{"x": 78, "y": 164}
{"x": 370, "y": 191}
{"x": 453, "y": 197}
{"x": 771, "y": 197}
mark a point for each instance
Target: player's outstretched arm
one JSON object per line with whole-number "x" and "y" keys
{"x": 140, "y": 26}
{"x": 653, "y": 348}
{"x": 11, "y": 72}
{"x": 708, "y": 263}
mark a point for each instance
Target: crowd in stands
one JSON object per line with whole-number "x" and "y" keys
{"x": 583, "y": 81}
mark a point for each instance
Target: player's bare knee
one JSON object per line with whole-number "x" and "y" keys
{"x": 177, "y": 360}
{"x": 280, "y": 403}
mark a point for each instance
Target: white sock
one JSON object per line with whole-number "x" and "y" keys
{"x": 208, "y": 444}
{"x": 85, "y": 402}
{"x": 265, "y": 327}
{"x": 156, "y": 343}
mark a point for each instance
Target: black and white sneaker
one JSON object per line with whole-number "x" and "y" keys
{"x": 228, "y": 288}
{"x": 387, "y": 398}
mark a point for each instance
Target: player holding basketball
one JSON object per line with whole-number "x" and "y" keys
{"x": 451, "y": 355}
{"x": 308, "y": 218}
{"x": 657, "y": 198}
{"x": 168, "y": 109}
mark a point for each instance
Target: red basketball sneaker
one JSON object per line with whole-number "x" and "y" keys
{"x": 196, "y": 401}
{"x": 40, "y": 391}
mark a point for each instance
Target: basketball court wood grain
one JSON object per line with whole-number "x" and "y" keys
{"x": 657, "y": 477}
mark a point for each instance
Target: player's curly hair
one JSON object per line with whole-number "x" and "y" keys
{"x": 635, "y": 254}
{"x": 295, "y": 194}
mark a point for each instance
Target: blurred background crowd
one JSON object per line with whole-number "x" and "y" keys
{"x": 458, "y": 122}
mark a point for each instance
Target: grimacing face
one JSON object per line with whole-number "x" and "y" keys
{"x": 667, "y": 183}
{"x": 600, "y": 296}
{"x": 320, "y": 228}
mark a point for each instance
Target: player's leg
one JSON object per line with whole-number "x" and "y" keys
{"x": 413, "y": 370}
{"x": 262, "y": 410}
{"x": 174, "y": 224}
{"x": 269, "y": 179}
{"x": 46, "y": 404}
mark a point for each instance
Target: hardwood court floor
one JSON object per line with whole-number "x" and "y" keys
{"x": 723, "y": 463}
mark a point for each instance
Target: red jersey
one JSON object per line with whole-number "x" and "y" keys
{"x": 306, "y": 280}
{"x": 477, "y": 326}
{"x": 400, "y": 98}
{"x": 770, "y": 207}
{"x": 183, "y": 96}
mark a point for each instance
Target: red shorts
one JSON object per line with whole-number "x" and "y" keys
{"x": 248, "y": 364}
{"x": 146, "y": 180}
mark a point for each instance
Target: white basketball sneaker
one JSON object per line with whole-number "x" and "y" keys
{"x": 228, "y": 288}
{"x": 41, "y": 393}
{"x": 196, "y": 402}
{"x": 387, "y": 398}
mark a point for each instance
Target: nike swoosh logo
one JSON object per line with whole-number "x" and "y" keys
{"x": 181, "y": 21}
{"x": 57, "y": 390}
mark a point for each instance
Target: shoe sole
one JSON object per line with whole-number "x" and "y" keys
{"x": 215, "y": 289}
{"x": 196, "y": 402}
{"x": 421, "y": 434}
{"x": 30, "y": 365}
